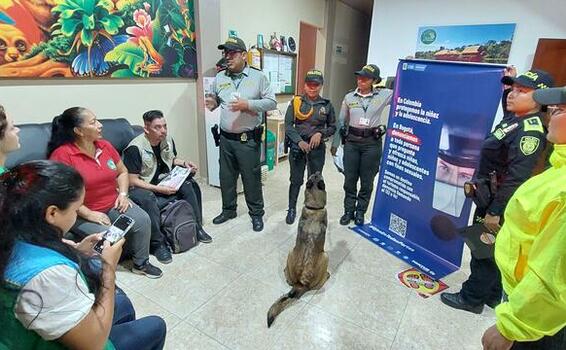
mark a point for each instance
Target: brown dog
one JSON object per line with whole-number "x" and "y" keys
{"x": 307, "y": 263}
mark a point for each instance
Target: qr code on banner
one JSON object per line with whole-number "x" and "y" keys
{"x": 397, "y": 225}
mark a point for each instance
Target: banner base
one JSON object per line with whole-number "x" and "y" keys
{"x": 406, "y": 251}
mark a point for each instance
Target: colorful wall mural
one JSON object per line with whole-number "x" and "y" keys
{"x": 97, "y": 38}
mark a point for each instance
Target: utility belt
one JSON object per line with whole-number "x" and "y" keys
{"x": 255, "y": 134}
{"x": 482, "y": 191}
{"x": 365, "y": 133}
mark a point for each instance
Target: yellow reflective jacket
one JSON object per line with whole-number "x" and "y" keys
{"x": 530, "y": 251}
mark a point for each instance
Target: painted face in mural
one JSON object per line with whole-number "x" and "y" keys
{"x": 156, "y": 131}
{"x": 13, "y": 44}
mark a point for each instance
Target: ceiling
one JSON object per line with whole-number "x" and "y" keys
{"x": 366, "y": 6}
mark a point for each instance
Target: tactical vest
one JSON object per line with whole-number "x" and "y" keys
{"x": 148, "y": 159}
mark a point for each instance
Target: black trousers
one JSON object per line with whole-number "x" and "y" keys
{"x": 298, "y": 160}
{"x": 152, "y": 203}
{"x": 484, "y": 283}
{"x": 361, "y": 162}
{"x": 243, "y": 158}
{"x": 555, "y": 342}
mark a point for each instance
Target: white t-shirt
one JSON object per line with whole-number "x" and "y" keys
{"x": 54, "y": 302}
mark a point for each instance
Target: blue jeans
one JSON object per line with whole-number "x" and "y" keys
{"x": 127, "y": 333}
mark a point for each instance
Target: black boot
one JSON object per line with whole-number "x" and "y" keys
{"x": 456, "y": 301}
{"x": 346, "y": 218}
{"x": 291, "y": 215}
{"x": 203, "y": 237}
{"x": 222, "y": 218}
{"x": 359, "y": 220}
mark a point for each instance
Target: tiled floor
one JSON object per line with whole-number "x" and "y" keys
{"x": 216, "y": 296}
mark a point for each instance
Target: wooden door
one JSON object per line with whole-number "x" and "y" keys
{"x": 307, "y": 53}
{"x": 551, "y": 57}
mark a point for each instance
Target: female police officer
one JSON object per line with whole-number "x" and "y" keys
{"x": 309, "y": 120}
{"x": 509, "y": 156}
{"x": 361, "y": 130}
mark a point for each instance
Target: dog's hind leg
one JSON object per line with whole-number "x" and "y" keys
{"x": 321, "y": 269}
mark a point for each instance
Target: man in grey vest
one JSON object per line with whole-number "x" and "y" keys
{"x": 361, "y": 128}
{"x": 149, "y": 158}
{"x": 243, "y": 94}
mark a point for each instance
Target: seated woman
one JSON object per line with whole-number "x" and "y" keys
{"x": 60, "y": 294}
{"x": 76, "y": 140}
{"x": 9, "y": 140}
{"x": 530, "y": 251}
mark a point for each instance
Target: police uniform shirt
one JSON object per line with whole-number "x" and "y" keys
{"x": 323, "y": 120}
{"x": 251, "y": 84}
{"x": 364, "y": 111}
{"x": 512, "y": 150}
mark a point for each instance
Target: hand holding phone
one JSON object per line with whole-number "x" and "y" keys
{"x": 115, "y": 232}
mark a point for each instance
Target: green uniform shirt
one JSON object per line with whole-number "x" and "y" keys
{"x": 251, "y": 84}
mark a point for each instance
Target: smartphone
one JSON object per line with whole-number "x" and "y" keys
{"x": 115, "y": 232}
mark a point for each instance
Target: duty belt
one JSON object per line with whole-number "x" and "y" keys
{"x": 242, "y": 136}
{"x": 361, "y": 132}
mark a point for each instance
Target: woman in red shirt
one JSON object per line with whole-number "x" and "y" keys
{"x": 76, "y": 140}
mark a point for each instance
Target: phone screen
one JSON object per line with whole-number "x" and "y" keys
{"x": 115, "y": 232}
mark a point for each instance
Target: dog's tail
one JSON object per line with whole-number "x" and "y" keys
{"x": 283, "y": 302}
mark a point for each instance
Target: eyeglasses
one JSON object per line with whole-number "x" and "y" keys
{"x": 556, "y": 110}
{"x": 230, "y": 54}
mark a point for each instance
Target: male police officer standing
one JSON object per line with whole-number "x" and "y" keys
{"x": 309, "y": 121}
{"x": 243, "y": 94}
{"x": 361, "y": 128}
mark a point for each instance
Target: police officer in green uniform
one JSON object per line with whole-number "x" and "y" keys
{"x": 309, "y": 121}
{"x": 509, "y": 157}
{"x": 361, "y": 128}
{"x": 243, "y": 94}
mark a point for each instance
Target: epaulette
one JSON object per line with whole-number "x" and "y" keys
{"x": 252, "y": 67}
{"x": 533, "y": 123}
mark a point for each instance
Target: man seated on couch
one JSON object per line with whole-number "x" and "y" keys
{"x": 149, "y": 158}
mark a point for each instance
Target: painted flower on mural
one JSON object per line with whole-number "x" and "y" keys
{"x": 143, "y": 28}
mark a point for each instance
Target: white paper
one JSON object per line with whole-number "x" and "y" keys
{"x": 176, "y": 177}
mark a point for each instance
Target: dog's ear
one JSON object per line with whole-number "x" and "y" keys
{"x": 321, "y": 185}
{"x": 309, "y": 184}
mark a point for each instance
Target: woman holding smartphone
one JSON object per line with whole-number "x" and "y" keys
{"x": 60, "y": 294}
{"x": 76, "y": 140}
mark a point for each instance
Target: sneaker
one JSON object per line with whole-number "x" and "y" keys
{"x": 162, "y": 254}
{"x": 147, "y": 270}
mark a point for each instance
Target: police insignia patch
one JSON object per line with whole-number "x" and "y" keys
{"x": 322, "y": 110}
{"x": 529, "y": 145}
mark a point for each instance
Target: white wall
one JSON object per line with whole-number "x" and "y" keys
{"x": 395, "y": 25}
{"x": 40, "y": 100}
{"x": 268, "y": 16}
{"x": 351, "y": 32}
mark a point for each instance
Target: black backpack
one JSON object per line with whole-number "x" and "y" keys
{"x": 179, "y": 225}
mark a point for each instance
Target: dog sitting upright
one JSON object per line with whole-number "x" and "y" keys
{"x": 307, "y": 263}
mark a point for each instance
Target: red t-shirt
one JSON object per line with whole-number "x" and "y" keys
{"x": 99, "y": 173}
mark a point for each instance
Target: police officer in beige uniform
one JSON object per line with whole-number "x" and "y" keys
{"x": 243, "y": 93}
{"x": 309, "y": 121}
{"x": 361, "y": 128}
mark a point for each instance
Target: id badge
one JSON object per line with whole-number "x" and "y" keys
{"x": 364, "y": 122}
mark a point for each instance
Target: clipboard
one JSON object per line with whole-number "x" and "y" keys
{"x": 479, "y": 240}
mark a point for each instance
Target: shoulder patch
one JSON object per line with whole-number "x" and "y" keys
{"x": 533, "y": 124}
{"x": 529, "y": 144}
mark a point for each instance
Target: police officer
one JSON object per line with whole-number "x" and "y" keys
{"x": 309, "y": 121}
{"x": 508, "y": 158}
{"x": 361, "y": 128}
{"x": 243, "y": 93}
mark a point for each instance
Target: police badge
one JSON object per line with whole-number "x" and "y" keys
{"x": 529, "y": 144}
{"x": 322, "y": 110}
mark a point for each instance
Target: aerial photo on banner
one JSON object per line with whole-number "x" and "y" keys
{"x": 487, "y": 43}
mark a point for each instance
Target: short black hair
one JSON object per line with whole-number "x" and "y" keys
{"x": 3, "y": 122}
{"x": 150, "y": 116}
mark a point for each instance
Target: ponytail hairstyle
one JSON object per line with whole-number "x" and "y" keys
{"x": 63, "y": 128}
{"x": 26, "y": 192}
